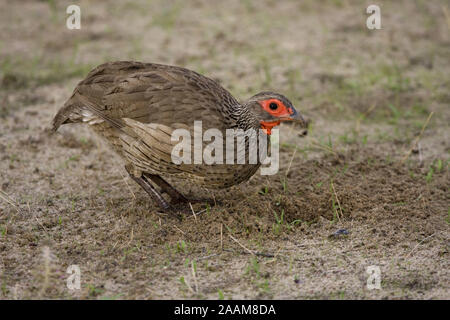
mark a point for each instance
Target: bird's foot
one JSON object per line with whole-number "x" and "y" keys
{"x": 187, "y": 201}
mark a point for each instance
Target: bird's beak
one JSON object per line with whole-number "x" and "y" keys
{"x": 294, "y": 116}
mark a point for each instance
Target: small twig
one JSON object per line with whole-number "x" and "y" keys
{"x": 9, "y": 200}
{"x": 38, "y": 221}
{"x": 209, "y": 256}
{"x": 420, "y": 152}
{"x": 447, "y": 15}
{"x": 290, "y": 162}
{"x": 339, "y": 204}
{"x": 129, "y": 188}
{"x": 47, "y": 257}
{"x": 271, "y": 255}
{"x": 419, "y": 245}
{"x": 221, "y": 237}
{"x": 15, "y": 292}
{"x": 416, "y": 140}
{"x": 278, "y": 252}
{"x": 193, "y": 213}
{"x": 248, "y": 250}
{"x": 365, "y": 114}
{"x": 326, "y": 148}
{"x": 194, "y": 276}
{"x": 261, "y": 254}
{"x": 131, "y": 237}
{"x": 188, "y": 286}
{"x": 114, "y": 245}
{"x": 187, "y": 235}
{"x": 179, "y": 229}
{"x": 198, "y": 213}
{"x": 214, "y": 198}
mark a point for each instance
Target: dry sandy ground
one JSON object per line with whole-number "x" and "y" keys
{"x": 65, "y": 198}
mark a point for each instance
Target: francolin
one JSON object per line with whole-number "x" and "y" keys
{"x": 137, "y": 106}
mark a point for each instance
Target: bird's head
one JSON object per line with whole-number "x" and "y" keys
{"x": 271, "y": 109}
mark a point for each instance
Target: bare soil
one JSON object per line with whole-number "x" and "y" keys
{"x": 367, "y": 186}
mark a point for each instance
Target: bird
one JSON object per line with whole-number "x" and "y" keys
{"x": 137, "y": 106}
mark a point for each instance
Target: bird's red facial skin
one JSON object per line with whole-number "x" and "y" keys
{"x": 280, "y": 111}
{"x": 275, "y": 108}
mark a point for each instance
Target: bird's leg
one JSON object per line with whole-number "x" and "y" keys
{"x": 147, "y": 186}
{"x": 174, "y": 194}
{"x": 156, "y": 196}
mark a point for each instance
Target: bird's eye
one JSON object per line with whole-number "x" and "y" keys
{"x": 273, "y": 106}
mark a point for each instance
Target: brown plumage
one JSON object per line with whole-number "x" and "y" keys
{"x": 136, "y": 107}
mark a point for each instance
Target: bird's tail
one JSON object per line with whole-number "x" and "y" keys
{"x": 81, "y": 109}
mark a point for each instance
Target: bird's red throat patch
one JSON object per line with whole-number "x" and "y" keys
{"x": 267, "y": 126}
